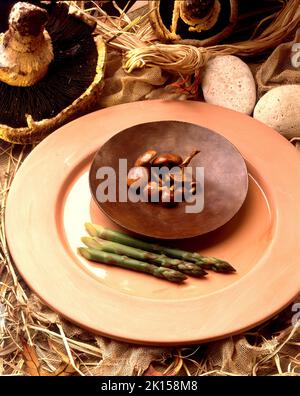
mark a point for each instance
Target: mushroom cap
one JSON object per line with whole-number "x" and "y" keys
{"x": 161, "y": 20}
{"x": 166, "y": 159}
{"x": 198, "y": 8}
{"x": 71, "y": 87}
{"x": 29, "y": 24}
{"x": 25, "y": 48}
{"x": 146, "y": 158}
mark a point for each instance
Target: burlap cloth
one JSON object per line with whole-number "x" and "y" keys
{"x": 150, "y": 83}
{"x": 278, "y": 69}
{"x": 273, "y": 348}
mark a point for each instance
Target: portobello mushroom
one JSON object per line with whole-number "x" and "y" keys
{"x": 51, "y": 70}
{"x": 205, "y": 23}
{"x": 194, "y": 22}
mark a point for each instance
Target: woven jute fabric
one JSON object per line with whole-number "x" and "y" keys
{"x": 281, "y": 68}
{"x": 28, "y": 324}
{"x": 148, "y": 83}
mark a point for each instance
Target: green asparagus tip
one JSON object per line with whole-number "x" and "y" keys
{"x": 91, "y": 229}
{"x": 91, "y": 242}
{"x": 192, "y": 269}
{"x": 86, "y": 240}
{"x": 197, "y": 274}
{"x": 84, "y": 252}
{"x": 219, "y": 266}
{"x": 171, "y": 275}
{"x": 226, "y": 267}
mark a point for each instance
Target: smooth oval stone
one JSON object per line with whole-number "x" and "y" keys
{"x": 228, "y": 82}
{"x": 280, "y": 109}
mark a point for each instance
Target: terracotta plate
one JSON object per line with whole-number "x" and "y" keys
{"x": 225, "y": 179}
{"x": 50, "y": 200}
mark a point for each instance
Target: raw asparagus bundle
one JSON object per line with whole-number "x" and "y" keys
{"x": 210, "y": 263}
{"x": 142, "y": 255}
{"x": 132, "y": 264}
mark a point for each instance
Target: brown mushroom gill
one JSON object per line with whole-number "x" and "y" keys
{"x": 166, "y": 11}
{"x": 69, "y": 75}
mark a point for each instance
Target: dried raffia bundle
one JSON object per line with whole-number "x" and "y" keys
{"x": 41, "y": 54}
{"x": 186, "y": 59}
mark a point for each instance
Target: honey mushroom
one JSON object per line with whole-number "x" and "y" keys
{"x": 169, "y": 189}
{"x": 146, "y": 158}
{"x": 152, "y": 191}
{"x": 180, "y": 193}
{"x": 138, "y": 173}
{"x": 167, "y": 196}
{"x": 167, "y": 159}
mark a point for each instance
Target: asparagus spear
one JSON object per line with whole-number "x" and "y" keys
{"x": 214, "y": 264}
{"x": 132, "y": 264}
{"x": 205, "y": 262}
{"x": 142, "y": 255}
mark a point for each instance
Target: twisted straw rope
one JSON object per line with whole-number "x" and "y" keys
{"x": 184, "y": 59}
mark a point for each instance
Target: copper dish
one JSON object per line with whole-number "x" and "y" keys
{"x": 225, "y": 179}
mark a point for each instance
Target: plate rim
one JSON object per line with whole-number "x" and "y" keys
{"x": 202, "y": 113}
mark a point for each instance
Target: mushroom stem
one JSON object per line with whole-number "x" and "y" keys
{"x": 25, "y": 49}
{"x": 189, "y": 158}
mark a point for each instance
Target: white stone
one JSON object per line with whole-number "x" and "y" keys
{"x": 228, "y": 82}
{"x": 280, "y": 109}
